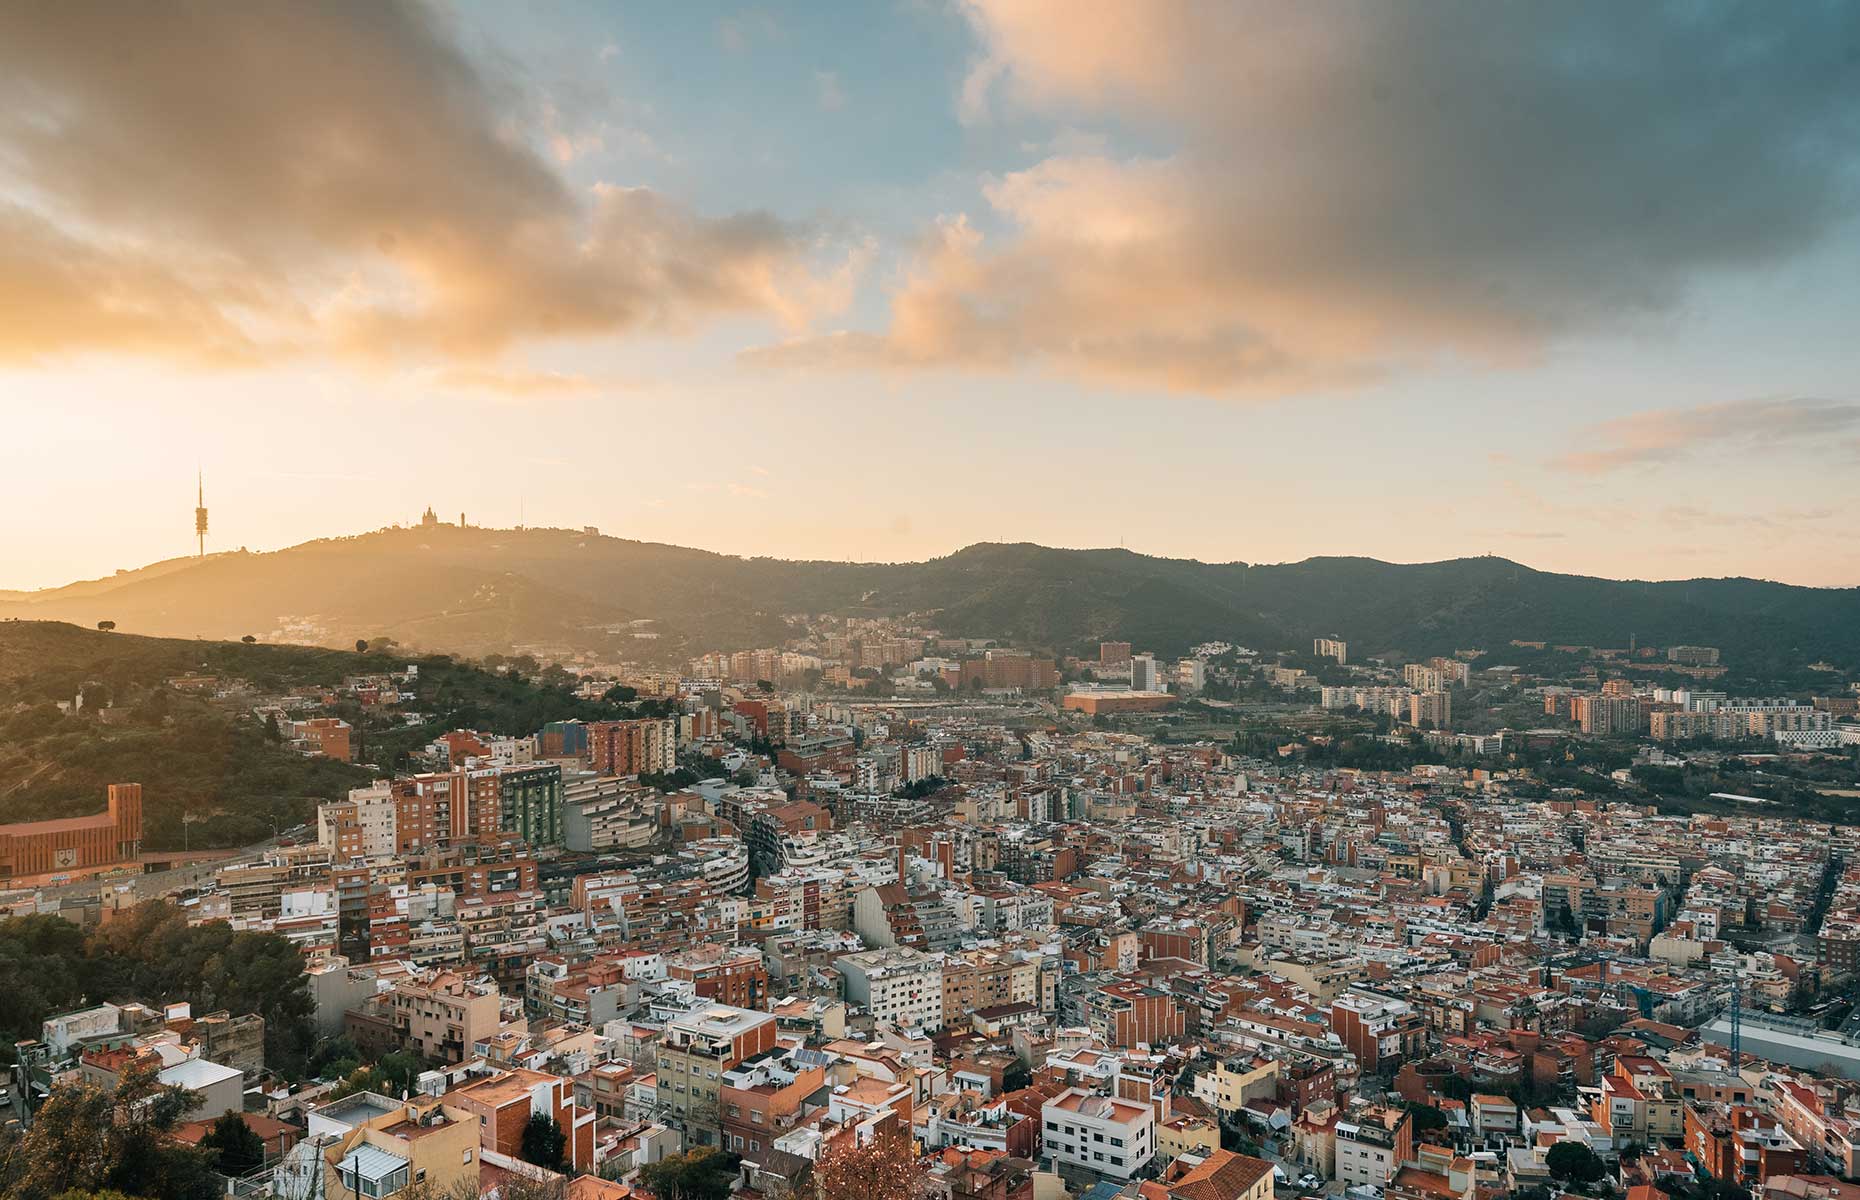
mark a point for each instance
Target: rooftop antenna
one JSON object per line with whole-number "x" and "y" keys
{"x": 200, "y": 514}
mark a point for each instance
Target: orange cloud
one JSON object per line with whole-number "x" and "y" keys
{"x": 1664, "y": 435}
{"x": 1352, "y": 187}
{"x": 253, "y": 182}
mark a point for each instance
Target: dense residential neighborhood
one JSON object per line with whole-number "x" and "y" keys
{"x": 1009, "y": 925}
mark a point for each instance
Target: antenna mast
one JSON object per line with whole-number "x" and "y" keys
{"x": 200, "y": 515}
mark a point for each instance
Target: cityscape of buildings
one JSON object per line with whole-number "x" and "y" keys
{"x": 1021, "y": 912}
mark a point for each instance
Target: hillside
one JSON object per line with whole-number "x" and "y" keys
{"x": 210, "y": 761}
{"x": 481, "y": 591}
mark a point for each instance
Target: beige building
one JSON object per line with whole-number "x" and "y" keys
{"x": 695, "y": 1052}
{"x": 1186, "y": 1135}
{"x": 361, "y": 826}
{"x": 1333, "y": 648}
{"x": 1434, "y": 707}
{"x": 421, "y": 1141}
{"x": 443, "y": 1017}
{"x": 1228, "y": 1085}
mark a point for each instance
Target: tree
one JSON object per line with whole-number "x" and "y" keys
{"x": 237, "y": 1148}
{"x": 702, "y": 1173}
{"x": 544, "y": 1143}
{"x": 1719, "y": 1189}
{"x": 361, "y": 645}
{"x": 1425, "y": 1117}
{"x": 884, "y": 1169}
{"x": 1455, "y": 1087}
{"x": 248, "y": 639}
{"x": 106, "y": 626}
{"x": 1574, "y": 1162}
{"x": 88, "y": 1140}
{"x": 274, "y": 733}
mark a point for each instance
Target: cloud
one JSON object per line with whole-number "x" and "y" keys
{"x": 1344, "y": 189}
{"x": 827, "y": 91}
{"x": 514, "y": 382}
{"x": 253, "y": 183}
{"x": 1664, "y": 435}
{"x": 740, "y": 32}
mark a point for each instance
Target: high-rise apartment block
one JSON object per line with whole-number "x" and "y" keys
{"x": 635, "y": 747}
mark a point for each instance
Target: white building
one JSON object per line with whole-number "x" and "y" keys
{"x": 898, "y": 985}
{"x": 371, "y": 809}
{"x": 1103, "y": 1134}
{"x": 1368, "y": 1147}
{"x": 1144, "y": 676}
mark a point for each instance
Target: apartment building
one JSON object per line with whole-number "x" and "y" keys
{"x": 1432, "y": 706}
{"x": 1382, "y": 1031}
{"x": 1372, "y": 1144}
{"x": 319, "y": 736}
{"x": 505, "y": 1102}
{"x": 694, "y": 1054}
{"x": 361, "y": 826}
{"x": 764, "y": 1096}
{"x": 381, "y": 1147}
{"x": 1423, "y": 678}
{"x": 897, "y": 985}
{"x": 1638, "y": 1100}
{"x": 1124, "y": 1014}
{"x": 1107, "y": 1136}
{"x": 724, "y": 974}
{"x": 649, "y": 744}
{"x": 442, "y": 1018}
{"x": 1335, "y": 649}
{"x": 529, "y": 803}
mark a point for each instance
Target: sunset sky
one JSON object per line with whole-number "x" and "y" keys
{"x": 1578, "y": 284}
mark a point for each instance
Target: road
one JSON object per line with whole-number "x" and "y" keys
{"x": 156, "y": 884}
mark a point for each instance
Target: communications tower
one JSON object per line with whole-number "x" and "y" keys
{"x": 200, "y": 516}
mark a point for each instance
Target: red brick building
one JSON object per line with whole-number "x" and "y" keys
{"x": 728, "y": 976}
{"x": 76, "y": 843}
{"x": 504, "y": 1104}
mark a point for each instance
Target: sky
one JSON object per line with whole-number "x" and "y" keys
{"x": 1576, "y": 284}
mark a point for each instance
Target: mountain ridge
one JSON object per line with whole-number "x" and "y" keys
{"x": 477, "y": 590}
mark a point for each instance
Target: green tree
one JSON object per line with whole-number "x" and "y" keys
{"x": 1574, "y": 1162}
{"x": 236, "y": 1148}
{"x": 1425, "y": 1118}
{"x": 361, "y": 645}
{"x": 106, "y": 626}
{"x": 87, "y": 1140}
{"x": 399, "y": 1072}
{"x": 702, "y": 1173}
{"x": 544, "y": 1143}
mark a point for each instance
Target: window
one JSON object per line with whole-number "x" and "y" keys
{"x": 466, "y": 1158}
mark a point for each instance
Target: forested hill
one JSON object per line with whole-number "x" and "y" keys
{"x": 211, "y": 761}
{"x": 480, "y": 591}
